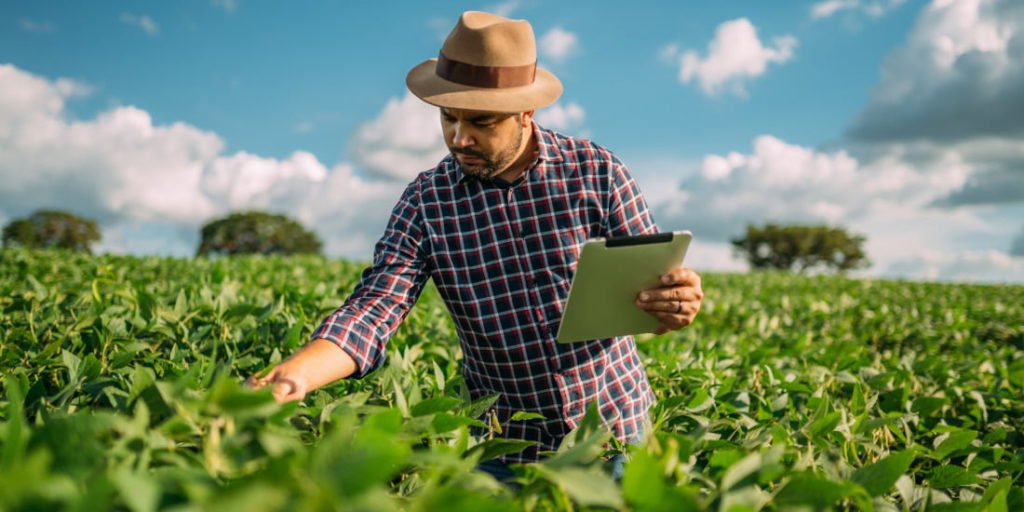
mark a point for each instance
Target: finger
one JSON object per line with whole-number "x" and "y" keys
{"x": 256, "y": 382}
{"x": 286, "y": 390}
{"x": 675, "y": 321}
{"x": 669, "y": 306}
{"x": 681, "y": 276}
{"x": 282, "y": 389}
{"x": 675, "y": 293}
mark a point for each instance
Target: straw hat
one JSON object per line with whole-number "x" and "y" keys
{"x": 488, "y": 63}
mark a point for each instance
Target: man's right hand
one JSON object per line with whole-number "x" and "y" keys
{"x": 319, "y": 363}
{"x": 287, "y": 386}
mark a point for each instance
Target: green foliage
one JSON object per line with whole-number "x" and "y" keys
{"x": 121, "y": 390}
{"x": 801, "y": 248}
{"x": 256, "y": 233}
{"x": 52, "y": 229}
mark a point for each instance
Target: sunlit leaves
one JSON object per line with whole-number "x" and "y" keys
{"x": 122, "y": 390}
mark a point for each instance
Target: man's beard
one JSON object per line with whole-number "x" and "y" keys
{"x": 488, "y": 168}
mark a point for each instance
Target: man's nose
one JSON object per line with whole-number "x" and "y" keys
{"x": 462, "y": 138}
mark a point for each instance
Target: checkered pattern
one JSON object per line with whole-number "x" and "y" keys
{"x": 502, "y": 256}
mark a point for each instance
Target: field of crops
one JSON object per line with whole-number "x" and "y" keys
{"x": 121, "y": 390}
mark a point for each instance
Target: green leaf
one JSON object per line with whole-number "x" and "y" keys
{"x": 879, "y": 477}
{"x": 588, "y": 487}
{"x": 956, "y": 441}
{"x": 810, "y": 489}
{"x": 446, "y": 422}
{"x": 435, "y": 405}
{"x": 582, "y": 451}
{"x": 477, "y": 408}
{"x": 945, "y": 477}
{"x": 995, "y": 497}
{"x": 926, "y": 405}
{"x": 824, "y": 424}
{"x": 494, "y": 448}
{"x": 643, "y": 481}
{"x": 526, "y": 416}
{"x": 14, "y": 439}
{"x": 72, "y": 363}
{"x": 139, "y": 491}
{"x": 644, "y": 487}
{"x": 740, "y": 471}
{"x": 700, "y": 402}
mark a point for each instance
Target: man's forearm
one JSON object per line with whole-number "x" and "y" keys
{"x": 320, "y": 362}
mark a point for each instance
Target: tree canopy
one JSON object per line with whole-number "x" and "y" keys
{"x": 256, "y": 233}
{"x": 47, "y": 229}
{"x": 801, "y": 248}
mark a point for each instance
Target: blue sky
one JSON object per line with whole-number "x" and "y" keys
{"x": 806, "y": 112}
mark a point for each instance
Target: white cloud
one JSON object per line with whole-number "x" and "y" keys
{"x": 226, "y": 5}
{"x": 504, "y": 8}
{"x": 561, "y": 117}
{"x": 402, "y": 141}
{"x": 669, "y": 53}
{"x": 829, "y": 7}
{"x": 958, "y": 82}
{"x": 932, "y": 171}
{"x": 558, "y": 44}
{"x": 304, "y": 127}
{"x": 960, "y": 75}
{"x": 735, "y": 56}
{"x": 143, "y": 22}
{"x": 711, "y": 256}
{"x": 975, "y": 266}
{"x": 36, "y": 27}
{"x": 875, "y": 9}
{"x": 151, "y": 186}
{"x": 887, "y": 196}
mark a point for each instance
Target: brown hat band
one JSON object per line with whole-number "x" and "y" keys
{"x": 491, "y": 77}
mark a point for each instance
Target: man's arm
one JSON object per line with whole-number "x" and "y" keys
{"x": 318, "y": 364}
{"x": 351, "y": 341}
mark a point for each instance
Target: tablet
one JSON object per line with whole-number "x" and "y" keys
{"x": 609, "y": 275}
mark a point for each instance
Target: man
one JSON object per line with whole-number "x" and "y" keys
{"x": 498, "y": 225}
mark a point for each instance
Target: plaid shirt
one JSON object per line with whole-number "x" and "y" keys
{"x": 502, "y": 256}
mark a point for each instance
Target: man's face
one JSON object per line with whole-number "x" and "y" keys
{"x": 485, "y": 143}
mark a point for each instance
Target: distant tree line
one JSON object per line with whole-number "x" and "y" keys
{"x": 52, "y": 229}
{"x": 797, "y": 248}
{"x": 256, "y": 233}
{"x": 801, "y": 248}
{"x": 238, "y": 233}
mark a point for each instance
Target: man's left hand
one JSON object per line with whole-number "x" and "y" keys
{"x": 676, "y": 303}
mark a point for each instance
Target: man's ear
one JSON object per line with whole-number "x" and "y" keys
{"x": 527, "y": 117}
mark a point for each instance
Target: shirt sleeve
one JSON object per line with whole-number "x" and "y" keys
{"x": 386, "y": 291}
{"x": 628, "y": 213}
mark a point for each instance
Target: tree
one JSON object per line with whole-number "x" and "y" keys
{"x": 52, "y": 229}
{"x": 256, "y": 233}
{"x": 802, "y": 248}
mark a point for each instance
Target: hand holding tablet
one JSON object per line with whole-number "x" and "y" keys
{"x": 609, "y": 275}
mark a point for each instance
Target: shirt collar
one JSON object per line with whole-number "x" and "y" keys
{"x": 547, "y": 151}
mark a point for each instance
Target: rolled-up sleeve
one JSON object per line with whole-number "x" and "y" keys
{"x": 386, "y": 290}
{"x": 628, "y": 213}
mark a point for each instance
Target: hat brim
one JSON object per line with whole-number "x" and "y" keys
{"x": 427, "y": 86}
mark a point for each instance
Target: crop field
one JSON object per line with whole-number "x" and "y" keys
{"x": 121, "y": 389}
